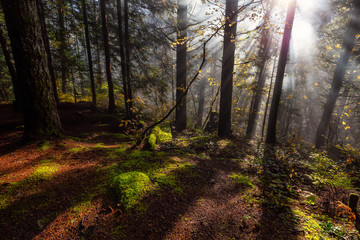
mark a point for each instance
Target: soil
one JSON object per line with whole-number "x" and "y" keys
{"x": 72, "y": 203}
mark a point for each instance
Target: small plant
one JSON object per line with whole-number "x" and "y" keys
{"x": 242, "y": 180}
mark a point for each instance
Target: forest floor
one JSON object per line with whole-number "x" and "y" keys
{"x": 93, "y": 184}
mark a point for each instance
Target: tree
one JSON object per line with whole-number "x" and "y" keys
{"x": 41, "y": 119}
{"x": 111, "y": 107}
{"x": 123, "y": 62}
{"x": 88, "y": 48}
{"x": 181, "y": 68}
{"x": 127, "y": 59}
{"x": 353, "y": 28}
{"x": 285, "y": 45}
{"x": 47, "y": 48}
{"x": 264, "y": 53}
{"x": 224, "y": 129}
{"x": 11, "y": 67}
{"x": 63, "y": 45}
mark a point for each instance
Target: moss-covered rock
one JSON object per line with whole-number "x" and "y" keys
{"x": 130, "y": 187}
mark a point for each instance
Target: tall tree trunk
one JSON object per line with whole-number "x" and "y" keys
{"x": 123, "y": 59}
{"x": 271, "y": 130}
{"x": 264, "y": 53}
{"x": 267, "y": 102}
{"x": 224, "y": 129}
{"x": 202, "y": 88}
{"x": 11, "y": 67}
{"x": 40, "y": 5}
{"x": 335, "y": 120}
{"x": 99, "y": 76}
{"x": 63, "y": 45}
{"x": 181, "y": 68}
{"x": 88, "y": 48}
{"x": 127, "y": 61}
{"x": 111, "y": 107}
{"x": 41, "y": 119}
{"x": 353, "y": 28}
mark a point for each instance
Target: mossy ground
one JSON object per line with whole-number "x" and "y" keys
{"x": 190, "y": 186}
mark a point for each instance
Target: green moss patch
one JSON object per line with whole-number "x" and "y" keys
{"x": 130, "y": 187}
{"x": 242, "y": 180}
{"x": 319, "y": 227}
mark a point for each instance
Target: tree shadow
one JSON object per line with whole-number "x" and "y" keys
{"x": 278, "y": 220}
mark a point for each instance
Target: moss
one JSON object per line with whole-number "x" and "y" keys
{"x": 120, "y": 136}
{"x": 242, "y": 180}
{"x": 162, "y": 136}
{"x": 81, "y": 207}
{"x": 152, "y": 141}
{"x": 99, "y": 145}
{"x": 45, "y": 171}
{"x": 44, "y": 146}
{"x": 77, "y": 149}
{"x": 116, "y": 152}
{"x": 130, "y": 187}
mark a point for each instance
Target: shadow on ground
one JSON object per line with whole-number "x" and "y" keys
{"x": 278, "y": 220}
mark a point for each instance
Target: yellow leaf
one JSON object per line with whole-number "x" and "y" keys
{"x": 347, "y": 114}
{"x": 316, "y": 84}
{"x": 305, "y": 96}
{"x": 338, "y": 46}
{"x": 347, "y": 138}
{"x": 328, "y": 48}
{"x": 347, "y": 127}
{"x": 344, "y": 123}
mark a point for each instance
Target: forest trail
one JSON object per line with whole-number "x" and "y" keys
{"x": 197, "y": 186}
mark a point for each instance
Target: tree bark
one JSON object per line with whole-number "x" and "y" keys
{"x": 127, "y": 61}
{"x": 264, "y": 53}
{"x": 181, "y": 67}
{"x": 267, "y": 102}
{"x": 11, "y": 67}
{"x": 63, "y": 45}
{"x": 123, "y": 59}
{"x": 41, "y": 119}
{"x": 349, "y": 41}
{"x": 88, "y": 48}
{"x": 111, "y": 107}
{"x": 47, "y": 48}
{"x": 202, "y": 88}
{"x": 224, "y": 129}
{"x": 271, "y": 130}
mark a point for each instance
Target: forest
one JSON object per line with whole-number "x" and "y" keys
{"x": 179, "y": 119}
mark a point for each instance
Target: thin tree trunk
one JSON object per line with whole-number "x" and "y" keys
{"x": 224, "y": 129}
{"x": 111, "y": 107}
{"x": 88, "y": 48}
{"x": 267, "y": 102}
{"x": 127, "y": 62}
{"x": 41, "y": 119}
{"x": 63, "y": 47}
{"x": 200, "y": 114}
{"x": 349, "y": 41}
{"x": 334, "y": 124}
{"x": 181, "y": 67}
{"x": 271, "y": 130}
{"x": 40, "y": 5}
{"x": 123, "y": 60}
{"x": 99, "y": 76}
{"x": 264, "y": 52}
{"x": 11, "y": 67}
